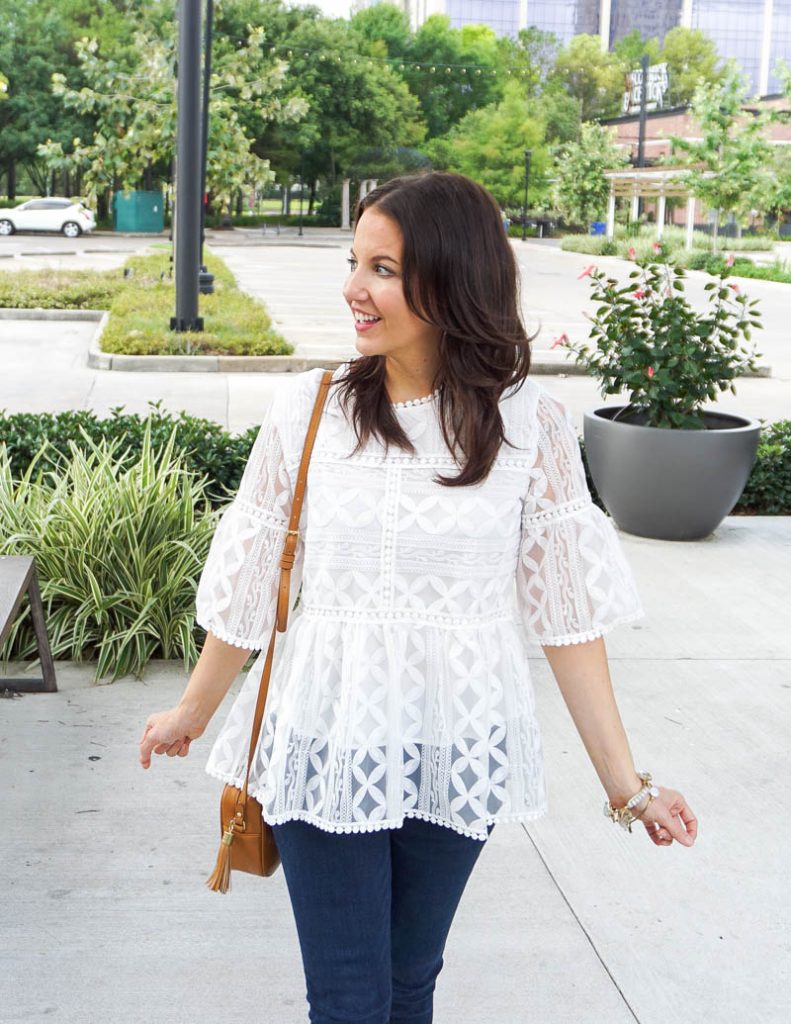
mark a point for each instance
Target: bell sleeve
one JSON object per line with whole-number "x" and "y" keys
{"x": 573, "y": 581}
{"x": 237, "y": 592}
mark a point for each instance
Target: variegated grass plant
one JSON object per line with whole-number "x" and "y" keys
{"x": 118, "y": 548}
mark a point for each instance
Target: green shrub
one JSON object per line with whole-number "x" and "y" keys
{"x": 119, "y": 548}
{"x": 768, "y": 491}
{"x": 141, "y": 300}
{"x": 742, "y": 267}
{"x": 59, "y": 289}
{"x": 206, "y": 449}
{"x": 672, "y": 244}
{"x": 591, "y": 245}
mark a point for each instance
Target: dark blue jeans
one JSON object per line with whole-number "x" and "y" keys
{"x": 373, "y": 911}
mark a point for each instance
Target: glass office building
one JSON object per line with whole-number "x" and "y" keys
{"x": 757, "y": 33}
{"x": 501, "y": 15}
{"x": 780, "y": 41}
{"x": 564, "y": 19}
{"x": 736, "y": 26}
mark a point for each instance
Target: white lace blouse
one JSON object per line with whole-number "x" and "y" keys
{"x": 401, "y": 687}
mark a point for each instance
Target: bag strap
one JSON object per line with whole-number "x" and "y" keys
{"x": 286, "y": 565}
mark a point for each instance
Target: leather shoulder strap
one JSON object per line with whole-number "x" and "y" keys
{"x": 286, "y": 565}
{"x": 287, "y": 558}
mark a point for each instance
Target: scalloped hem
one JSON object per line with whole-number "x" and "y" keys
{"x": 355, "y": 827}
{"x": 591, "y": 634}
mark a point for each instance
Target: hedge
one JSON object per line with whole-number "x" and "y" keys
{"x": 211, "y": 452}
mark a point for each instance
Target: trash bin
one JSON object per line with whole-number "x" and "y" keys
{"x": 598, "y": 227}
{"x": 139, "y": 211}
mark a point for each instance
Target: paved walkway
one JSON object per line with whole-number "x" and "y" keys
{"x": 44, "y": 364}
{"x": 568, "y": 921}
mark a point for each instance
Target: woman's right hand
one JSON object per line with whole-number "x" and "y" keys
{"x": 168, "y": 732}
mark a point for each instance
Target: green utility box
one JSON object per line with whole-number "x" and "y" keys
{"x": 138, "y": 211}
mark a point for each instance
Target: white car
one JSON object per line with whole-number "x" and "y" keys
{"x": 67, "y": 216}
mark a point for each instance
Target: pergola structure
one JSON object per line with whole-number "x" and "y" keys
{"x": 657, "y": 183}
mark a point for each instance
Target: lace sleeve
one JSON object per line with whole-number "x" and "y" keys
{"x": 237, "y": 591}
{"x": 573, "y": 580}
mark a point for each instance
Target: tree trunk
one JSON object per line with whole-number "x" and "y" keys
{"x": 716, "y": 231}
{"x": 38, "y": 177}
{"x": 102, "y": 206}
{"x": 312, "y": 198}
{"x": 11, "y": 180}
{"x": 239, "y": 203}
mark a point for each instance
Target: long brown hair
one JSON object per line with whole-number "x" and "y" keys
{"x": 460, "y": 275}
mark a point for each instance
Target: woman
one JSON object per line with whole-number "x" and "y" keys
{"x": 446, "y": 520}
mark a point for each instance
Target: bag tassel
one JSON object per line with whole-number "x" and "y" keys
{"x": 220, "y": 878}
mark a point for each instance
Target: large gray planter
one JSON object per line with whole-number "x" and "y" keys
{"x": 669, "y": 484}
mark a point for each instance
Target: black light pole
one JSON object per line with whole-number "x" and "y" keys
{"x": 188, "y": 197}
{"x": 641, "y": 129}
{"x": 643, "y": 112}
{"x": 301, "y": 186}
{"x": 528, "y": 155}
{"x": 205, "y": 279}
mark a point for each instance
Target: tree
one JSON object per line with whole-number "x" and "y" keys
{"x": 632, "y": 47}
{"x": 530, "y": 57}
{"x": 729, "y": 163}
{"x": 581, "y": 187}
{"x": 445, "y": 98}
{"x": 691, "y": 59}
{"x": 383, "y": 30}
{"x": 354, "y": 104}
{"x": 593, "y": 76}
{"x": 489, "y": 145}
{"x": 133, "y": 103}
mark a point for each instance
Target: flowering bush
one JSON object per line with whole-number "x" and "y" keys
{"x": 650, "y": 342}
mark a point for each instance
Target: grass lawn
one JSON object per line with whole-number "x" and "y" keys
{"x": 142, "y": 303}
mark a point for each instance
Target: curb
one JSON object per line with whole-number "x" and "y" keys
{"x": 52, "y": 314}
{"x": 543, "y": 363}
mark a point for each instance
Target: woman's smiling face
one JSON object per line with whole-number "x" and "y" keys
{"x": 384, "y": 323}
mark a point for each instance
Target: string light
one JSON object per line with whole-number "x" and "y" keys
{"x": 398, "y": 63}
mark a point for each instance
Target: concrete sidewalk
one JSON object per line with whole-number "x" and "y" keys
{"x": 44, "y": 364}
{"x": 570, "y": 920}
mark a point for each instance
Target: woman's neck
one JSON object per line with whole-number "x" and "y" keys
{"x": 405, "y": 384}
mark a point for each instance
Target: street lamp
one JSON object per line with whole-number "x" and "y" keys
{"x": 188, "y": 198}
{"x": 301, "y": 187}
{"x": 528, "y": 157}
{"x": 205, "y": 279}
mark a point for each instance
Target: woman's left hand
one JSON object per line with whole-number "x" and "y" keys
{"x": 668, "y": 817}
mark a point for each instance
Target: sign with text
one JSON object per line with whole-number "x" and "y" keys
{"x": 656, "y": 87}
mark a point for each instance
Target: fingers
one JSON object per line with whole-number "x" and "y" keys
{"x": 157, "y": 738}
{"x": 675, "y": 821}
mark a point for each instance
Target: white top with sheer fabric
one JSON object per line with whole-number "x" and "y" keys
{"x": 401, "y": 687}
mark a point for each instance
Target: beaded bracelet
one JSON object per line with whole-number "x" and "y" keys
{"x": 623, "y": 815}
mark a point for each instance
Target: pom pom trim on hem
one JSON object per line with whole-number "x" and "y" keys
{"x": 349, "y": 828}
{"x": 590, "y": 634}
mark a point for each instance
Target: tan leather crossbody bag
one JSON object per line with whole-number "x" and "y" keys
{"x": 247, "y": 842}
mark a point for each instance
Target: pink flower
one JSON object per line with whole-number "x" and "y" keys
{"x": 650, "y": 371}
{"x": 734, "y": 286}
{"x": 562, "y": 339}
{"x": 656, "y": 247}
{"x": 639, "y": 294}
{"x": 632, "y": 252}
{"x": 729, "y": 260}
{"x": 587, "y": 272}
